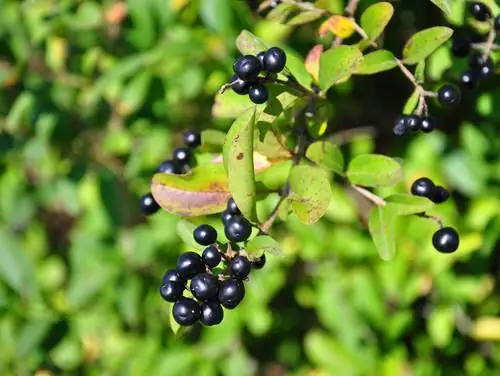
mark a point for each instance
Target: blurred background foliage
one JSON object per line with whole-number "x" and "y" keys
{"x": 95, "y": 94}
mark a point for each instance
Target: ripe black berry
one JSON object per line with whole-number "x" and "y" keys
{"x": 258, "y": 93}
{"x": 171, "y": 275}
{"x": 400, "y": 127}
{"x": 169, "y": 167}
{"x": 148, "y": 204}
{"x": 211, "y": 257}
{"x": 211, "y": 313}
{"x": 185, "y": 168}
{"x": 238, "y": 229}
{"x": 446, "y": 240}
{"x": 192, "y": 139}
{"x": 189, "y": 264}
{"x": 231, "y": 293}
{"x": 247, "y": 68}
{"x": 479, "y": 11}
{"x": 172, "y": 291}
{"x": 240, "y": 267}
{"x": 204, "y": 286}
{"x": 205, "y": 235}
{"x": 186, "y": 311}
{"x": 427, "y": 124}
{"x": 226, "y": 216}
{"x": 274, "y": 60}
{"x": 259, "y": 263}
{"x": 183, "y": 155}
{"x": 440, "y": 195}
{"x": 483, "y": 67}
{"x": 423, "y": 187}
{"x": 260, "y": 56}
{"x": 468, "y": 79}
{"x": 449, "y": 95}
{"x": 232, "y": 207}
{"x": 413, "y": 122}
{"x": 460, "y": 46}
{"x": 239, "y": 86}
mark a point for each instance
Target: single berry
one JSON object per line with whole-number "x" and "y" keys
{"x": 440, "y": 195}
{"x": 449, "y": 95}
{"x": 240, "y": 267}
{"x": 211, "y": 313}
{"x": 171, "y": 275}
{"x": 192, "y": 139}
{"x": 446, "y": 240}
{"x": 427, "y": 124}
{"x": 169, "y": 167}
{"x": 186, "y": 311}
{"x": 261, "y": 56}
{"x": 231, "y": 293}
{"x": 238, "y": 229}
{"x": 232, "y": 207}
{"x": 172, "y": 291}
{"x": 413, "y": 122}
{"x": 148, "y": 204}
{"x": 483, "y": 67}
{"x": 259, "y": 263}
{"x": 189, "y": 264}
{"x": 496, "y": 23}
{"x": 247, "y": 68}
{"x": 183, "y": 155}
{"x": 185, "y": 168}
{"x": 460, "y": 46}
{"x": 204, "y": 286}
{"x": 400, "y": 127}
{"x": 274, "y": 60}
{"x": 479, "y": 11}
{"x": 239, "y": 86}
{"x": 226, "y": 216}
{"x": 205, "y": 235}
{"x": 211, "y": 256}
{"x": 468, "y": 79}
{"x": 423, "y": 187}
{"x": 258, "y": 93}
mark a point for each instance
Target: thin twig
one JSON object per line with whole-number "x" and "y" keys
{"x": 489, "y": 42}
{"x": 435, "y": 218}
{"x": 274, "y": 215}
{"x": 377, "y": 200}
{"x": 349, "y": 11}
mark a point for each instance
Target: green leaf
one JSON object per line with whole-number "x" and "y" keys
{"x": 310, "y": 192}
{"x": 374, "y": 170}
{"x": 420, "y": 72}
{"x": 230, "y": 105}
{"x": 338, "y": 64}
{"x": 327, "y": 155}
{"x": 375, "y": 18}
{"x": 381, "y": 225}
{"x": 185, "y": 230}
{"x": 274, "y": 177}
{"x": 406, "y": 204}
{"x": 212, "y": 138}
{"x": 204, "y": 191}
{"x": 376, "y": 62}
{"x": 424, "y": 43}
{"x": 411, "y": 103}
{"x": 304, "y": 17}
{"x": 297, "y": 68}
{"x": 217, "y": 15}
{"x": 444, "y": 5}
{"x": 263, "y": 244}
{"x": 249, "y": 44}
{"x": 238, "y": 158}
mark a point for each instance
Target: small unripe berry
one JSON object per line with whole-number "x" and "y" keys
{"x": 259, "y": 263}
{"x": 148, "y": 204}
{"x": 423, "y": 187}
{"x": 258, "y": 93}
{"x": 192, "y": 139}
{"x": 231, "y": 293}
{"x": 449, "y": 95}
{"x": 205, "y": 235}
{"x": 480, "y": 11}
{"x": 189, "y": 264}
{"x": 211, "y": 256}
{"x": 238, "y": 229}
{"x": 204, "y": 286}
{"x": 211, "y": 313}
{"x": 240, "y": 267}
{"x": 232, "y": 207}
{"x": 274, "y": 60}
{"x": 169, "y": 167}
{"x": 446, "y": 240}
{"x": 427, "y": 124}
{"x": 172, "y": 291}
{"x": 440, "y": 195}
{"x": 183, "y": 155}
{"x": 247, "y": 68}
{"x": 186, "y": 311}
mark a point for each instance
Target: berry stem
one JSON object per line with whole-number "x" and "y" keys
{"x": 434, "y": 218}
{"x": 422, "y": 104}
{"x": 274, "y": 215}
{"x": 349, "y": 11}
{"x": 377, "y": 200}
{"x": 489, "y": 42}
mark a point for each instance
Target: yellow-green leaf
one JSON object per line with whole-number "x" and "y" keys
{"x": 424, "y": 43}
{"x": 338, "y": 64}
{"x": 374, "y": 170}
{"x": 381, "y": 224}
{"x": 376, "y": 62}
{"x": 375, "y": 18}
{"x": 326, "y": 154}
{"x": 406, "y": 204}
{"x": 263, "y": 244}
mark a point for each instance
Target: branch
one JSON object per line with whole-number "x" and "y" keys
{"x": 274, "y": 215}
{"x": 349, "y": 11}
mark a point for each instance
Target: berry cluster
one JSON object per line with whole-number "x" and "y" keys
{"x": 212, "y": 288}
{"x": 414, "y": 123}
{"x": 181, "y": 163}
{"x": 247, "y": 69}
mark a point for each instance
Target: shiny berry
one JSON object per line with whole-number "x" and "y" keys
{"x": 211, "y": 256}
{"x": 449, "y": 95}
{"x": 192, "y": 139}
{"x": 258, "y": 93}
{"x": 205, "y": 235}
{"x": 247, "y": 68}
{"x": 231, "y": 293}
{"x": 186, "y": 168}
{"x": 468, "y": 79}
{"x": 204, "y": 286}
{"x": 232, "y": 207}
{"x": 171, "y": 275}
{"x": 238, "y": 229}
{"x": 239, "y": 86}
{"x": 427, "y": 124}
{"x": 483, "y": 67}
{"x": 259, "y": 263}
{"x": 274, "y": 60}
{"x": 240, "y": 267}
{"x": 440, "y": 195}
{"x": 413, "y": 122}
{"x": 148, "y": 204}
{"x": 211, "y": 313}
{"x": 183, "y": 155}
{"x": 400, "y": 127}
{"x": 226, "y": 216}
{"x": 189, "y": 264}
{"x": 423, "y": 187}
{"x": 169, "y": 167}
{"x": 446, "y": 240}
{"x": 460, "y": 46}
{"x": 172, "y": 291}
{"x": 479, "y": 11}
{"x": 260, "y": 56}
{"x": 186, "y": 311}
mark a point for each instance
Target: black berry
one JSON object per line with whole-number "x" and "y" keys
{"x": 172, "y": 291}
{"x": 232, "y": 207}
{"x": 231, "y": 293}
{"x": 449, "y": 95}
{"x": 479, "y": 11}
{"x": 413, "y": 122}
{"x": 468, "y": 79}
{"x": 258, "y": 93}
{"x": 204, "y": 286}
{"x": 189, "y": 264}
{"x": 427, "y": 124}
{"x": 205, "y": 235}
{"x": 148, "y": 204}
{"x": 226, "y": 216}
{"x": 259, "y": 263}
{"x": 483, "y": 67}
{"x": 497, "y": 23}
{"x": 211, "y": 256}
{"x": 186, "y": 311}
{"x": 238, "y": 229}
{"x": 169, "y": 167}
{"x": 239, "y": 86}
{"x": 260, "y": 56}
{"x": 247, "y": 68}
{"x": 440, "y": 195}
{"x": 446, "y": 240}
{"x": 400, "y": 127}
{"x": 460, "y": 46}
{"x": 182, "y": 155}
{"x": 171, "y": 275}
{"x": 274, "y": 60}
{"x": 423, "y": 187}
{"x": 211, "y": 313}
{"x": 240, "y": 267}
{"x": 185, "y": 168}
{"x": 192, "y": 139}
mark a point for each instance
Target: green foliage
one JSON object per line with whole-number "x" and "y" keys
{"x": 424, "y": 43}
{"x": 338, "y": 64}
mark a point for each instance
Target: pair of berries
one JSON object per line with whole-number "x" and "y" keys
{"x": 414, "y": 123}
{"x": 236, "y": 227}
{"x": 425, "y": 187}
{"x": 247, "y": 69}
{"x": 480, "y": 69}
{"x": 179, "y": 164}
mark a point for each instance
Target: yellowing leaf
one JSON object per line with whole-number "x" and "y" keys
{"x": 338, "y": 25}
{"x": 312, "y": 61}
{"x": 486, "y": 329}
